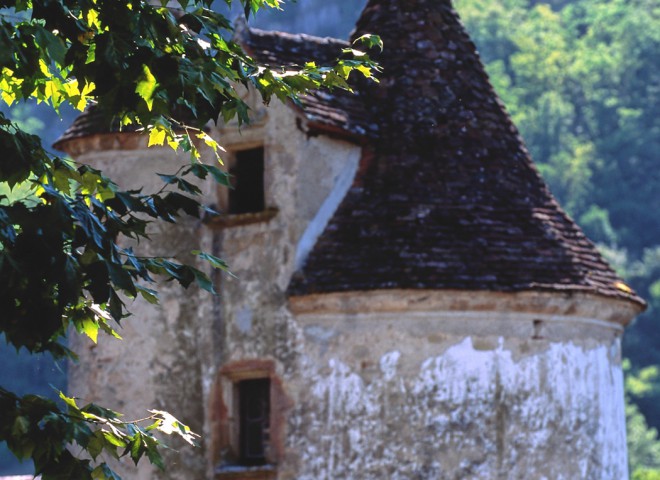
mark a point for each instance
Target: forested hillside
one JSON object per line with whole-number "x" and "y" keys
{"x": 581, "y": 80}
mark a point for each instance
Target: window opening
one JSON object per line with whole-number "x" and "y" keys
{"x": 254, "y": 414}
{"x": 247, "y": 194}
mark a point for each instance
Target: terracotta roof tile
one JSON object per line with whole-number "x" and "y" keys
{"x": 336, "y": 111}
{"x": 91, "y": 122}
{"x": 448, "y": 197}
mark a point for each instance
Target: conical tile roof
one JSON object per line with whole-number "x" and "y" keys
{"x": 447, "y": 196}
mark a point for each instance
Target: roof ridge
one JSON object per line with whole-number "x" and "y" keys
{"x": 302, "y": 37}
{"x": 242, "y": 31}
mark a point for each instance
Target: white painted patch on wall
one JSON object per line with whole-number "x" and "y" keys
{"x": 470, "y": 413}
{"x": 388, "y": 364}
{"x": 315, "y": 228}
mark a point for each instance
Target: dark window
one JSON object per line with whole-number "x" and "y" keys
{"x": 254, "y": 413}
{"x": 247, "y": 194}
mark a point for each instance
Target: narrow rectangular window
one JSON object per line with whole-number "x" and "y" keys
{"x": 247, "y": 194}
{"x": 254, "y": 415}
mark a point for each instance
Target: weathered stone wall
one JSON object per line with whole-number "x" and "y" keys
{"x": 156, "y": 366}
{"x": 404, "y": 396}
{"x": 250, "y": 321}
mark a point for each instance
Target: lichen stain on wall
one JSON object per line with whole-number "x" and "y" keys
{"x": 491, "y": 414}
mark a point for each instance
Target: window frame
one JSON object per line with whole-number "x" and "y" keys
{"x": 226, "y": 218}
{"x": 225, "y": 421}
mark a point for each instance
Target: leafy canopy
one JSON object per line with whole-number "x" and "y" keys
{"x": 165, "y": 67}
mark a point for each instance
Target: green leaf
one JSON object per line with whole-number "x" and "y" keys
{"x": 91, "y": 329}
{"x": 146, "y": 87}
{"x": 136, "y": 448}
{"x": 203, "y": 280}
{"x": 95, "y": 445}
{"x": 115, "y": 306}
{"x": 370, "y": 40}
{"x": 103, "y": 472}
{"x": 153, "y": 454}
{"x": 148, "y": 294}
{"x": 109, "y": 330}
{"x": 216, "y": 262}
{"x": 121, "y": 278}
{"x": 53, "y": 45}
{"x": 70, "y": 401}
{"x": 156, "y": 136}
{"x": 175, "y": 202}
{"x": 20, "y": 427}
{"x": 114, "y": 439}
{"x": 169, "y": 179}
{"x": 201, "y": 170}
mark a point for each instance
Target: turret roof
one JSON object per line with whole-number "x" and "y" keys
{"x": 447, "y": 197}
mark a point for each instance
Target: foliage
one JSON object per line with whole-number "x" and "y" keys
{"x": 35, "y": 427}
{"x": 147, "y": 65}
{"x": 643, "y": 443}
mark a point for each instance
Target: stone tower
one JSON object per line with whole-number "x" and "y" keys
{"x": 409, "y": 302}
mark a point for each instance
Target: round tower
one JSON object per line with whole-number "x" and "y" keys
{"x": 457, "y": 323}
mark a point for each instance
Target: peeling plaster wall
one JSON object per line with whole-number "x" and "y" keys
{"x": 251, "y": 320}
{"x": 400, "y": 398}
